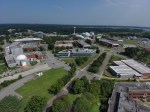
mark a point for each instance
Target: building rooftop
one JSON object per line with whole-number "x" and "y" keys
{"x": 118, "y": 63}
{"x": 137, "y": 66}
{"x": 125, "y": 70}
{"x": 130, "y": 67}
{"x": 78, "y": 50}
{"x": 108, "y": 41}
{"x": 84, "y": 44}
{"x": 120, "y": 100}
{"x": 27, "y": 39}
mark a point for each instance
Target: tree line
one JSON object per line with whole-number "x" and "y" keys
{"x": 138, "y": 54}
{"x": 94, "y": 68}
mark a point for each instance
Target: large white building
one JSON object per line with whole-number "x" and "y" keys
{"x": 129, "y": 69}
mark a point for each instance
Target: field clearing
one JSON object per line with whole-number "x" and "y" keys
{"x": 40, "y": 86}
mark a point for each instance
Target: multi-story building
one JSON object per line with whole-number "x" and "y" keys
{"x": 130, "y": 97}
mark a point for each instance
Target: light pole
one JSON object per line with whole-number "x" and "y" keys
{"x": 74, "y": 30}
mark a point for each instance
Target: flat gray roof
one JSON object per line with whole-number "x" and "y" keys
{"x": 124, "y": 70}
{"x": 137, "y": 66}
{"x": 84, "y": 43}
{"x": 27, "y": 39}
{"x": 108, "y": 41}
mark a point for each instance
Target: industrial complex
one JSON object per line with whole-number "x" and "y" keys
{"x": 22, "y": 51}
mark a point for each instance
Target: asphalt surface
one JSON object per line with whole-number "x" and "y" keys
{"x": 35, "y": 69}
{"x": 10, "y": 90}
{"x": 103, "y": 66}
{"x": 53, "y": 62}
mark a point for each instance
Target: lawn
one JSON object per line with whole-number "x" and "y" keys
{"x": 73, "y": 97}
{"x": 68, "y": 60}
{"x": 90, "y": 59}
{"x": 131, "y": 42}
{"x": 40, "y": 85}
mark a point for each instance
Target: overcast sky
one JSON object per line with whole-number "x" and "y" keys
{"x": 80, "y": 12}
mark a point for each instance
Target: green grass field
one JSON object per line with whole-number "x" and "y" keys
{"x": 3, "y": 68}
{"x": 73, "y": 97}
{"x": 131, "y": 42}
{"x": 40, "y": 85}
{"x": 68, "y": 60}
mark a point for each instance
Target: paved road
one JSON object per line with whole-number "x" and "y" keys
{"x": 103, "y": 66}
{"x": 10, "y": 90}
{"x": 37, "y": 68}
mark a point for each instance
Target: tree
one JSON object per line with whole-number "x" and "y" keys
{"x": 35, "y": 104}
{"x": 94, "y": 87}
{"x": 10, "y": 104}
{"x": 89, "y": 96}
{"x": 131, "y": 52}
{"x": 78, "y": 86}
{"x": 97, "y": 51}
{"x": 88, "y": 41}
{"x": 61, "y": 105}
{"x": 107, "y": 89}
{"x": 56, "y": 87}
{"x": 93, "y": 69}
{"x": 82, "y": 105}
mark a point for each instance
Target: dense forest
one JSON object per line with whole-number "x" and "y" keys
{"x": 68, "y": 29}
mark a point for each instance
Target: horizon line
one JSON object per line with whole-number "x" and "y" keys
{"x": 74, "y": 25}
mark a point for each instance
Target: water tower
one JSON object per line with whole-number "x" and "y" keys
{"x": 74, "y": 30}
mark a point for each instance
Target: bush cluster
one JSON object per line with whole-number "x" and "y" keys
{"x": 81, "y": 60}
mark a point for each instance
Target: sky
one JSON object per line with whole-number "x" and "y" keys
{"x": 76, "y": 12}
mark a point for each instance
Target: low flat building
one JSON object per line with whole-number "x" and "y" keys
{"x": 125, "y": 97}
{"x": 128, "y": 45}
{"x": 78, "y": 52}
{"x": 140, "y": 68}
{"x": 108, "y": 43}
{"x": 129, "y": 69}
{"x": 124, "y": 71}
{"x": 84, "y": 44}
{"x": 65, "y": 43}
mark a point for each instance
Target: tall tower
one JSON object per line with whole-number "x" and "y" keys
{"x": 74, "y": 30}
